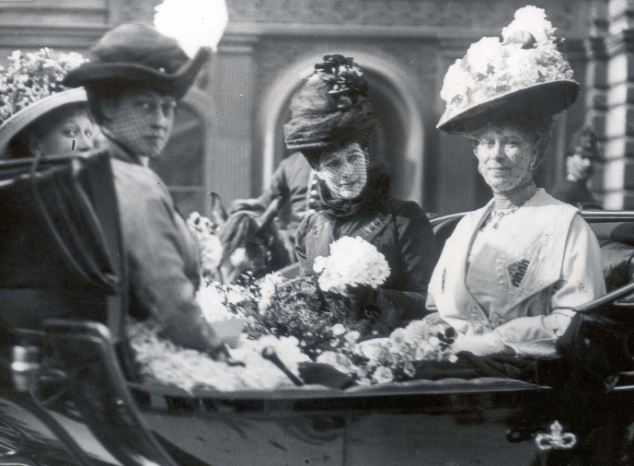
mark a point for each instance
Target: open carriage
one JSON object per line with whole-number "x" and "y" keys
{"x": 66, "y": 396}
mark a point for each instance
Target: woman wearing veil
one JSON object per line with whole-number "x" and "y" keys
{"x": 512, "y": 271}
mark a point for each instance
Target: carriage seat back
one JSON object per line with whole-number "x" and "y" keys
{"x": 61, "y": 247}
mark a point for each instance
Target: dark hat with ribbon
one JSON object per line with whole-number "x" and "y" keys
{"x": 138, "y": 54}
{"x": 332, "y": 106}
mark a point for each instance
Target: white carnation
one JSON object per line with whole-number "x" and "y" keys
{"x": 211, "y": 300}
{"x": 268, "y": 289}
{"x": 352, "y": 262}
{"x": 383, "y": 375}
{"x": 338, "y": 329}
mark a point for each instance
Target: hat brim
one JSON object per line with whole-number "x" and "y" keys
{"x": 176, "y": 84}
{"x": 20, "y": 120}
{"x": 547, "y": 98}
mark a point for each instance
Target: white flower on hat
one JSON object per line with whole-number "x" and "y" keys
{"x": 526, "y": 57}
{"x": 485, "y": 56}
{"x": 456, "y": 84}
{"x": 532, "y": 20}
{"x": 522, "y": 62}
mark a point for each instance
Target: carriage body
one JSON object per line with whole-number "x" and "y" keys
{"x": 79, "y": 408}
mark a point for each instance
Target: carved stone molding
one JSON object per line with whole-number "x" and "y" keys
{"x": 565, "y": 14}
{"x": 122, "y": 11}
{"x": 37, "y": 36}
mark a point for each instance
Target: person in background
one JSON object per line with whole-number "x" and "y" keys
{"x": 331, "y": 120}
{"x": 512, "y": 272}
{"x": 585, "y": 152}
{"x": 134, "y": 80}
{"x": 295, "y": 184}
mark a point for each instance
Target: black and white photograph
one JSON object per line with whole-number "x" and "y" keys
{"x": 316, "y": 232}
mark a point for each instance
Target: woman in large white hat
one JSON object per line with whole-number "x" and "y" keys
{"x": 512, "y": 271}
{"x": 38, "y": 115}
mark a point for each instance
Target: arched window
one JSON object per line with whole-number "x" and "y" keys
{"x": 397, "y": 141}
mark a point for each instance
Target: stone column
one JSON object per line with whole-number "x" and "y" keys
{"x": 232, "y": 87}
{"x": 596, "y": 89}
{"x": 617, "y": 174}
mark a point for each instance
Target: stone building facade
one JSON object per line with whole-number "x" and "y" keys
{"x": 229, "y": 137}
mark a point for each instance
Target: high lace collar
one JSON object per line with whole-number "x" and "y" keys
{"x": 373, "y": 198}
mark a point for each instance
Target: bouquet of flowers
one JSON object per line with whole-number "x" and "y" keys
{"x": 221, "y": 302}
{"x": 299, "y": 309}
{"x": 392, "y": 359}
{"x": 352, "y": 262}
{"x": 314, "y": 308}
{"x": 31, "y": 76}
{"x": 299, "y": 320}
{"x": 162, "y": 361}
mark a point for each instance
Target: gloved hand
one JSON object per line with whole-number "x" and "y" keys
{"x": 481, "y": 345}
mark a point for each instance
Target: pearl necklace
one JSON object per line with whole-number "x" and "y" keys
{"x": 498, "y": 214}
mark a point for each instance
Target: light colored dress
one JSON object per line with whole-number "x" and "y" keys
{"x": 519, "y": 278}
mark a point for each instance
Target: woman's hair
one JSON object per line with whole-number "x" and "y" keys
{"x": 20, "y": 145}
{"x": 314, "y": 155}
{"x": 537, "y": 128}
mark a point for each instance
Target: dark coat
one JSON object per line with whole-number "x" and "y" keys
{"x": 402, "y": 233}
{"x": 162, "y": 256}
{"x": 575, "y": 193}
{"x": 291, "y": 182}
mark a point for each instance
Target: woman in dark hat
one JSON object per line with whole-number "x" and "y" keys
{"x": 331, "y": 120}
{"x": 134, "y": 79}
{"x": 512, "y": 271}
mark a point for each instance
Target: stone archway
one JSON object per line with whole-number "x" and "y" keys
{"x": 400, "y": 135}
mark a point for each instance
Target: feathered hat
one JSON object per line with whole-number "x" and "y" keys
{"x": 331, "y": 106}
{"x": 140, "y": 55}
{"x": 524, "y": 71}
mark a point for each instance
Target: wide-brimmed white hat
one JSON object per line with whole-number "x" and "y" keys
{"x": 522, "y": 72}
{"x": 20, "y": 120}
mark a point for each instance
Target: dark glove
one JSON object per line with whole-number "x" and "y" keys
{"x": 324, "y": 374}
